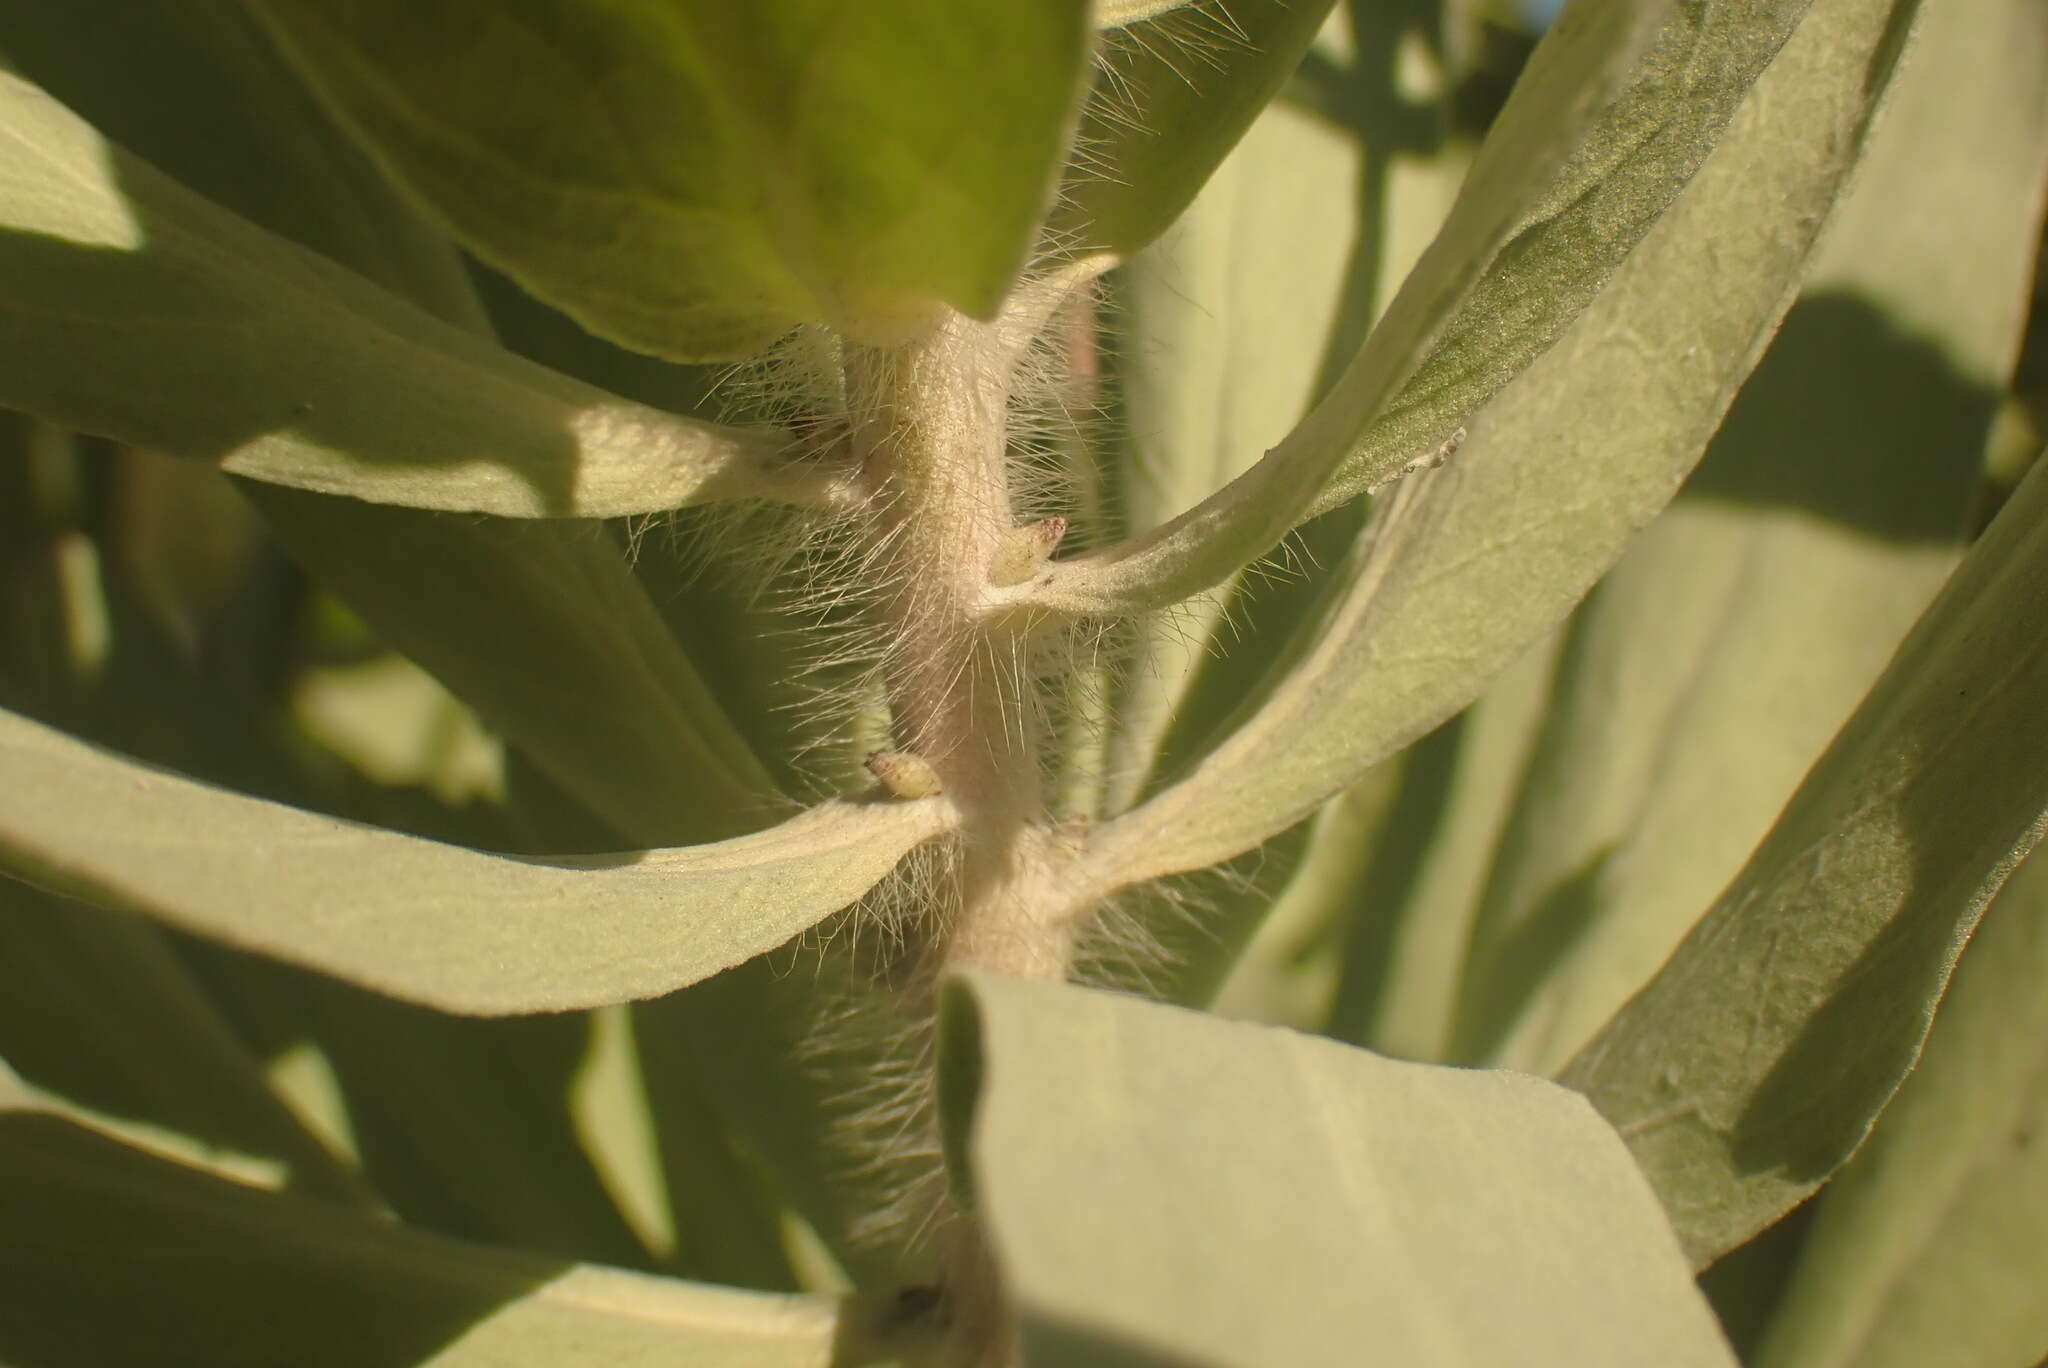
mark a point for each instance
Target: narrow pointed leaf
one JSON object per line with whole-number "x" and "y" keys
{"x": 435, "y": 924}
{"x": 1175, "y": 94}
{"x": 1619, "y": 106}
{"x": 322, "y": 1286}
{"x": 1930, "y": 1247}
{"x": 694, "y": 180}
{"x": 1757, "y": 1059}
{"x": 1472, "y": 563}
{"x": 136, "y": 310}
{"x": 1162, "y": 1187}
{"x": 1710, "y": 669}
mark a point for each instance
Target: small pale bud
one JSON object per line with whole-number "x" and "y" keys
{"x": 1024, "y": 550}
{"x": 905, "y": 775}
{"x": 1428, "y": 460}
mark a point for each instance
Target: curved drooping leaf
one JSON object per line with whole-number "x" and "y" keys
{"x": 1175, "y": 93}
{"x": 1930, "y": 1247}
{"x": 1161, "y": 1187}
{"x": 211, "y": 1271}
{"x": 1472, "y": 563}
{"x": 435, "y": 924}
{"x": 694, "y": 180}
{"x": 134, "y": 309}
{"x": 1717, "y": 660}
{"x": 1758, "y": 1058}
{"x": 1616, "y": 111}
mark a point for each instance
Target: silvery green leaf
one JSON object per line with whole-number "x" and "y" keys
{"x": 1758, "y": 1058}
{"x": 436, "y": 924}
{"x": 1175, "y": 91}
{"x": 1713, "y": 665}
{"x": 1226, "y": 319}
{"x": 1115, "y": 13}
{"x": 1929, "y": 1247}
{"x": 1163, "y": 1187}
{"x": 1619, "y": 106}
{"x": 136, "y": 310}
{"x": 1470, "y": 564}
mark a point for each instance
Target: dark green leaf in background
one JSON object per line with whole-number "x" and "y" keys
{"x": 693, "y": 180}
{"x": 97, "y": 1009}
{"x": 130, "y": 1259}
{"x": 1175, "y": 94}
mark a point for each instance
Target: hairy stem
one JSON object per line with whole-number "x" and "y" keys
{"x": 930, "y": 433}
{"x": 929, "y": 428}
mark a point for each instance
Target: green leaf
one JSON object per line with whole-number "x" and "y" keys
{"x": 1716, "y": 661}
{"x": 97, "y": 1010}
{"x": 693, "y": 180}
{"x": 435, "y": 924}
{"x": 458, "y": 1123}
{"x": 1757, "y": 1059}
{"x": 1470, "y": 564}
{"x": 1407, "y": 900}
{"x": 1616, "y": 111}
{"x": 1930, "y": 1247}
{"x": 1176, "y": 93}
{"x": 196, "y": 90}
{"x": 794, "y": 1052}
{"x": 213, "y": 1272}
{"x": 541, "y": 627}
{"x": 134, "y": 309}
{"x": 1161, "y": 1187}
{"x": 1226, "y": 324}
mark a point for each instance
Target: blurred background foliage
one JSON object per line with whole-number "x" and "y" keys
{"x": 1463, "y": 904}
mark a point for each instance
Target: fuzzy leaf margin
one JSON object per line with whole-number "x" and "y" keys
{"x": 451, "y": 928}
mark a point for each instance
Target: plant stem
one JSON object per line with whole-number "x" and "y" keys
{"x": 930, "y": 434}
